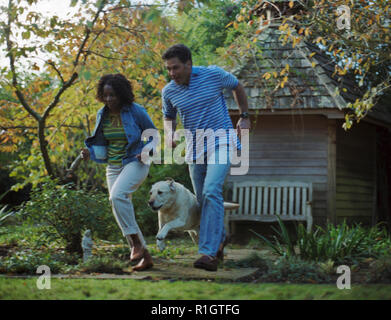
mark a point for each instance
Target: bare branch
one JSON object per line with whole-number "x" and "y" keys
{"x": 51, "y": 63}
{"x": 136, "y": 6}
{"x": 11, "y": 56}
{"x": 74, "y": 76}
{"x": 31, "y": 127}
{"x": 106, "y": 57}
{"x": 65, "y": 86}
{"x": 88, "y": 33}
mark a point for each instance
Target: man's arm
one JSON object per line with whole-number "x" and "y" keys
{"x": 169, "y": 130}
{"x": 241, "y": 100}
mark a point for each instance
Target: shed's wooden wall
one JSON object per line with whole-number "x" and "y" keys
{"x": 293, "y": 148}
{"x": 356, "y": 156}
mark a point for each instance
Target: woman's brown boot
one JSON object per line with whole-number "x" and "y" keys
{"x": 145, "y": 263}
{"x": 137, "y": 249}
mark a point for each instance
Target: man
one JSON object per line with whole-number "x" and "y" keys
{"x": 197, "y": 94}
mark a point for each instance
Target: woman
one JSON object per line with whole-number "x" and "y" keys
{"x": 117, "y": 141}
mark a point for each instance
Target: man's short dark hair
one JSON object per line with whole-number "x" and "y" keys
{"x": 179, "y": 51}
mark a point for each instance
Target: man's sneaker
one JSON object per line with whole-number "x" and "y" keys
{"x": 207, "y": 263}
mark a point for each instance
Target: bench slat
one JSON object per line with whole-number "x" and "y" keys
{"x": 235, "y": 197}
{"x": 278, "y": 207}
{"x": 259, "y": 200}
{"x": 253, "y": 203}
{"x": 291, "y": 191}
{"x": 247, "y": 199}
{"x": 304, "y": 201}
{"x": 297, "y": 202}
{"x": 272, "y": 191}
{"x": 284, "y": 201}
{"x": 241, "y": 200}
{"x": 265, "y": 200}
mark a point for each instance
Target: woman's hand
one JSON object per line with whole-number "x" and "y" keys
{"x": 85, "y": 154}
{"x": 143, "y": 156}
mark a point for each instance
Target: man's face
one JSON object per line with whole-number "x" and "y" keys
{"x": 178, "y": 71}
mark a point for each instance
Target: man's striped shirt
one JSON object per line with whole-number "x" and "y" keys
{"x": 201, "y": 106}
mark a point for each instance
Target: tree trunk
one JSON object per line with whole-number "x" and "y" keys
{"x": 43, "y": 146}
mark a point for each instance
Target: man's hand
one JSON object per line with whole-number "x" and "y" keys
{"x": 85, "y": 154}
{"x": 243, "y": 124}
{"x": 241, "y": 100}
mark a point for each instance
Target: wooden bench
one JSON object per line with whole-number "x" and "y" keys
{"x": 263, "y": 201}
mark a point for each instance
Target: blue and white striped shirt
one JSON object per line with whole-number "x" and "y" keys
{"x": 201, "y": 106}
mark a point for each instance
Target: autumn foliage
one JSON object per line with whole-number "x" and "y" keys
{"x": 47, "y": 100}
{"x": 355, "y": 34}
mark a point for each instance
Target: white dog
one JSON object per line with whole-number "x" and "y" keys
{"x": 177, "y": 209}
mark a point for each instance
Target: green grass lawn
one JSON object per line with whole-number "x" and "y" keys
{"x": 120, "y": 289}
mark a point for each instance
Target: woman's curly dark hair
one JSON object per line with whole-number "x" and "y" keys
{"x": 121, "y": 86}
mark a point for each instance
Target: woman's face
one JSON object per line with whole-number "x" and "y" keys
{"x": 111, "y": 99}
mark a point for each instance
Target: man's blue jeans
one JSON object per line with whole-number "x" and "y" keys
{"x": 208, "y": 180}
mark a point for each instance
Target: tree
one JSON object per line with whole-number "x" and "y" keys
{"x": 49, "y": 105}
{"x": 356, "y": 35}
{"x": 203, "y": 28}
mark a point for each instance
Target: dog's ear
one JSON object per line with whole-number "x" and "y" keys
{"x": 172, "y": 185}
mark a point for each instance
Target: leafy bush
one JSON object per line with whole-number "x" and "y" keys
{"x": 283, "y": 245}
{"x": 64, "y": 213}
{"x": 380, "y": 270}
{"x": 296, "y": 270}
{"x": 121, "y": 253}
{"x": 340, "y": 243}
{"x": 103, "y": 264}
{"x": 252, "y": 261}
{"x": 170, "y": 252}
{"x": 27, "y": 261}
{"x": 25, "y": 235}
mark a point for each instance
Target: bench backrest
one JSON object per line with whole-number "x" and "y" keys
{"x": 283, "y": 198}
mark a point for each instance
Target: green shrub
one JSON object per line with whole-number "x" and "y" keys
{"x": 296, "y": 270}
{"x": 380, "y": 270}
{"x": 282, "y": 245}
{"x": 338, "y": 243}
{"x": 103, "y": 264}
{"x": 252, "y": 261}
{"x": 341, "y": 243}
{"x": 27, "y": 261}
{"x": 64, "y": 213}
{"x": 27, "y": 235}
{"x": 121, "y": 253}
{"x": 170, "y": 252}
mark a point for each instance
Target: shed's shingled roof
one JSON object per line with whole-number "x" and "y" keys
{"x": 317, "y": 86}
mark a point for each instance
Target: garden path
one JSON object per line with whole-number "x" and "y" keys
{"x": 180, "y": 268}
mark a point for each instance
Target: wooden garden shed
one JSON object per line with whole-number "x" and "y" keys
{"x": 297, "y": 133}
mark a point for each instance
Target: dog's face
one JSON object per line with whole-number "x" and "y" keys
{"x": 162, "y": 195}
